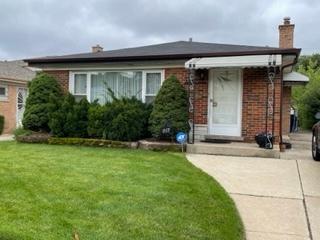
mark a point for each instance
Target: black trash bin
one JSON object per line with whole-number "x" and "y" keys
{"x": 265, "y": 140}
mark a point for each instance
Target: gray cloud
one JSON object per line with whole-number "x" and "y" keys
{"x": 30, "y": 28}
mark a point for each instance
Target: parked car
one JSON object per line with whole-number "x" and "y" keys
{"x": 316, "y": 139}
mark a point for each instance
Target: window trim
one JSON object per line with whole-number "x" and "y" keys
{"x": 88, "y": 94}
{"x": 72, "y": 84}
{"x": 5, "y": 96}
{"x": 144, "y": 82}
{"x": 80, "y": 94}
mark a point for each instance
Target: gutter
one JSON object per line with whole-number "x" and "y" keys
{"x": 14, "y": 80}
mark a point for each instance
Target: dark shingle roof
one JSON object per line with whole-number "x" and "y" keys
{"x": 172, "y": 50}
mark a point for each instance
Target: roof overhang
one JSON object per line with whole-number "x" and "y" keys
{"x": 86, "y": 58}
{"x": 294, "y": 78}
{"x": 4, "y": 80}
{"x": 235, "y": 61}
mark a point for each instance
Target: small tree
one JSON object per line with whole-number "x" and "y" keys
{"x": 170, "y": 106}
{"x": 307, "y": 98}
{"x": 38, "y": 104}
{"x": 309, "y": 106}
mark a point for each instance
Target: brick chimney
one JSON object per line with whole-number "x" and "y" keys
{"x": 286, "y": 33}
{"x": 97, "y": 48}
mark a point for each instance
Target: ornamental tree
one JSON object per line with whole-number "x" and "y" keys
{"x": 170, "y": 109}
{"x": 38, "y": 105}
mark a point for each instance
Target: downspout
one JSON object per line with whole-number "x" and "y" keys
{"x": 274, "y": 100}
{"x": 281, "y": 98}
{"x": 267, "y": 108}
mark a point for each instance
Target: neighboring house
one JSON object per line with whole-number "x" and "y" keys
{"x": 231, "y": 94}
{"x": 14, "y": 77}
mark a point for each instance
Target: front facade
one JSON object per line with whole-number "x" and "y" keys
{"x": 235, "y": 91}
{"x": 14, "y": 77}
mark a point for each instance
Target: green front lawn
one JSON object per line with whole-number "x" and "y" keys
{"x": 47, "y": 192}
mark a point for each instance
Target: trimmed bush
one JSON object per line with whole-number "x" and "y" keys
{"x": 91, "y": 142}
{"x": 123, "y": 119}
{"x": 96, "y": 123}
{"x": 170, "y": 108}
{"x": 70, "y": 119}
{"x": 21, "y": 132}
{"x": 58, "y": 116}
{"x": 126, "y": 120}
{"x": 38, "y": 105}
{"x": 79, "y": 120}
{"x": 1, "y": 124}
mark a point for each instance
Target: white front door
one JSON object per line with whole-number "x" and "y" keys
{"x": 21, "y": 102}
{"x": 225, "y": 102}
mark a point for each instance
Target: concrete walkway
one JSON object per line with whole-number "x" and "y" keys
{"x": 277, "y": 199}
{"x": 6, "y": 137}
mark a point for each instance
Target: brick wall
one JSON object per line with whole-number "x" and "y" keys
{"x": 201, "y": 95}
{"x": 254, "y": 98}
{"x": 254, "y": 104}
{"x": 286, "y": 106}
{"x": 8, "y": 109}
{"x": 62, "y": 77}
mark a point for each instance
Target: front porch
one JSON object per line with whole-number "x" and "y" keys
{"x": 235, "y": 98}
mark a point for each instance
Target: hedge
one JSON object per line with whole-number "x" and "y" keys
{"x": 161, "y": 146}
{"x": 33, "y": 138}
{"x": 1, "y": 124}
{"x": 45, "y": 138}
{"x": 70, "y": 119}
{"x": 91, "y": 142}
{"x": 124, "y": 119}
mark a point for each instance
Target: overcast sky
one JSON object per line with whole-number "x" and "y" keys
{"x": 32, "y": 28}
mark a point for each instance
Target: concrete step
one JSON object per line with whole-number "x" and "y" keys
{"x": 222, "y": 137}
{"x": 233, "y": 149}
{"x": 296, "y": 154}
{"x": 303, "y": 145}
{"x": 301, "y": 136}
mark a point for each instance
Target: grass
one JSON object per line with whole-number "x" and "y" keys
{"x": 47, "y": 192}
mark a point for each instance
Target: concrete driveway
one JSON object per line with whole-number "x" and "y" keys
{"x": 277, "y": 199}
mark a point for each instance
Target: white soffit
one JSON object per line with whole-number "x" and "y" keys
{"x": 235, "y": 61}
{"x": 295, "y": 77}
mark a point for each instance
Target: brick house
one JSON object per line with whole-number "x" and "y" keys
{"x": 235, "y": 91}
{"x": 14, "y": 76}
